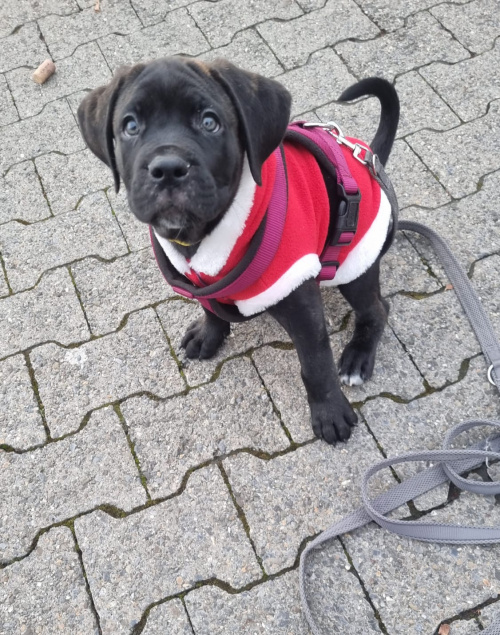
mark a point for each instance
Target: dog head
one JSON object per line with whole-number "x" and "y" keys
{"x": 176, "y": 131}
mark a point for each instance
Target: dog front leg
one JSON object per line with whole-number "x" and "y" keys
{"x": 205, "y": 336}
{"x": 301, "y": 315}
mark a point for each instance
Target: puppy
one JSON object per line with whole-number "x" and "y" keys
{"x": 194, "y": 144}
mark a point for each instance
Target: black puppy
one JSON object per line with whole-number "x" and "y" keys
{"x": 180, "y": 134}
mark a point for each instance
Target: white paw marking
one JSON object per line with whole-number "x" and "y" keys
{"x": 352, "y": 380}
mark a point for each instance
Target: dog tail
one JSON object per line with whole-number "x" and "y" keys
{"x": 389, "y": 118}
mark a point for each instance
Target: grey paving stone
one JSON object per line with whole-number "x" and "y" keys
{"x": 86, "y": 68}
{"x": 21, "y": 195}
{"x": 134, "y": 561}
{"x": 422, "y": 424}
{"x": 270, "y": 608}
{"x": 358, "y": 119}
{"x": 335, "y": 596}
{"x": 489, "y": 614}
{"x": 220, "y": 20}
{"x": 280, "y": 371}
{"x": 53, "y": 130}
{"x": 433, "y": 581}
{"x": 177, "y": 316}
{"x": 173, "y": 436}
{"x": 298, "y": 494}
{"x": 471, "y": 226}
{"x": 66, "y": 179}
{"x": 64, "y": 35}
{"x": 178, "y": 33}
{"x": 168, "y": 618}
{"x": 464, "y": 627}
{"x": 153, "y": 11}
{"x": 476, "y": 24}
{"x": 136, "y": 233}
{"x": 485, "y": 279}
{"x": 390, "y": 14}
{"x": 458, "y": 157}
{"x": 458, "y": 83}
{"x": 312, "y": 5}
{"x": 421, "y": 108}
{"x": 49, "y": 484}
{"x": 402, "y": 270}
{"x": 21, "y": 48}
{"x": 14, "y": 14}
{"x": 50, "y": 311}
{"x": 90, "y": 230}
{"x": 8, "y": 112}
{"x": 73, "y": 381}
{"x": 34, "y": 590}
{"x": 249, "y": 51}
{"x": 110, "y": 290}
{"x": 422, "y": 41}
{"x": 318, "y": 82}
{"x": 274, "y": 607}
{"x": 20, "y": 420}
{"x": 413, "y": 181}
{"x": 294, "y": 40}
{"x": 436, "y": 333}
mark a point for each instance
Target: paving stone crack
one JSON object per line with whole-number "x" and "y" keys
{"x": 71, "y": 526}
{"x": 131, "y": 445}
{"x": 241, "y": 516}
{"x": 356, "y": 574}
{"x": 273, "y": 403}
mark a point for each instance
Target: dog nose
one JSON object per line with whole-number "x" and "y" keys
{"x": 170, "y": 168}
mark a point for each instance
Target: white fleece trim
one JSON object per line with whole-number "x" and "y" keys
{"x": 175, "y": 257}
{"x": 362, "y": 257}
{"x": 306, "y": 267}
{"x": 214, "y": 249}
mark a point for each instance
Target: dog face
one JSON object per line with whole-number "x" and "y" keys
{"x": 176, "y": 131}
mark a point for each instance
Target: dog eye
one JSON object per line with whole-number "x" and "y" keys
{"x": 210, "y": 123}
{"x": 130, "y": 126}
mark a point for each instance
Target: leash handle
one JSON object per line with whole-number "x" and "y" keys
{"x": 450, "y": 463}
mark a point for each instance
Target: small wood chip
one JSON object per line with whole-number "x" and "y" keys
{"x": 97, "y": 6}
{"x": 449, "y": 287}
{"x": 444, "y": 629}
{"x": 44, "y": 71}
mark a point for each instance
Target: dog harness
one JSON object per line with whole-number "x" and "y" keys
{"x": 277, "y": 235}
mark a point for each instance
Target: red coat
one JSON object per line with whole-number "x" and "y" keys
{"x": 304, "y": 234}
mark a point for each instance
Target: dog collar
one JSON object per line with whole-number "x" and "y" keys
{"x": 181, "y": 243}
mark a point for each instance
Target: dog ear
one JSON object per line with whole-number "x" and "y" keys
{"x": 263, "y": 109}
{"x": 95, "y": 116}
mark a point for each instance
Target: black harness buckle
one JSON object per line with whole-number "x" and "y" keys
{"x": 347, "y": 216}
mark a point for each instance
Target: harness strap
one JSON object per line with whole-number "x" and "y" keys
{"x": 257, "y": 259}
{"x": 450, "y": 463}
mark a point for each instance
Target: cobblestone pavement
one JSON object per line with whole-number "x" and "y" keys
{"x": 144, "y": 493}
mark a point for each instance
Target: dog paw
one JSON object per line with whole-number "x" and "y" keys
{"x": 203, "y": 338}
{"x": 333, "y": 420}
{"x": 356, "y": 364}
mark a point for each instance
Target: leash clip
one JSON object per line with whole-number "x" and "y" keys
{"x": 336, "y": 132}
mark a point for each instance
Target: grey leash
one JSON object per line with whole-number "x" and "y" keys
{"x": 449, "y": 463}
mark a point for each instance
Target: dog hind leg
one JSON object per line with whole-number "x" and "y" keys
{"x": 371, "y": 311}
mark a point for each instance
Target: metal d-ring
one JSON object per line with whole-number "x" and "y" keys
{"x": 490, "y": 375}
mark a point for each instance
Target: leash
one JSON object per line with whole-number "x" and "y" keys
{"x": 450, "y": 464}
